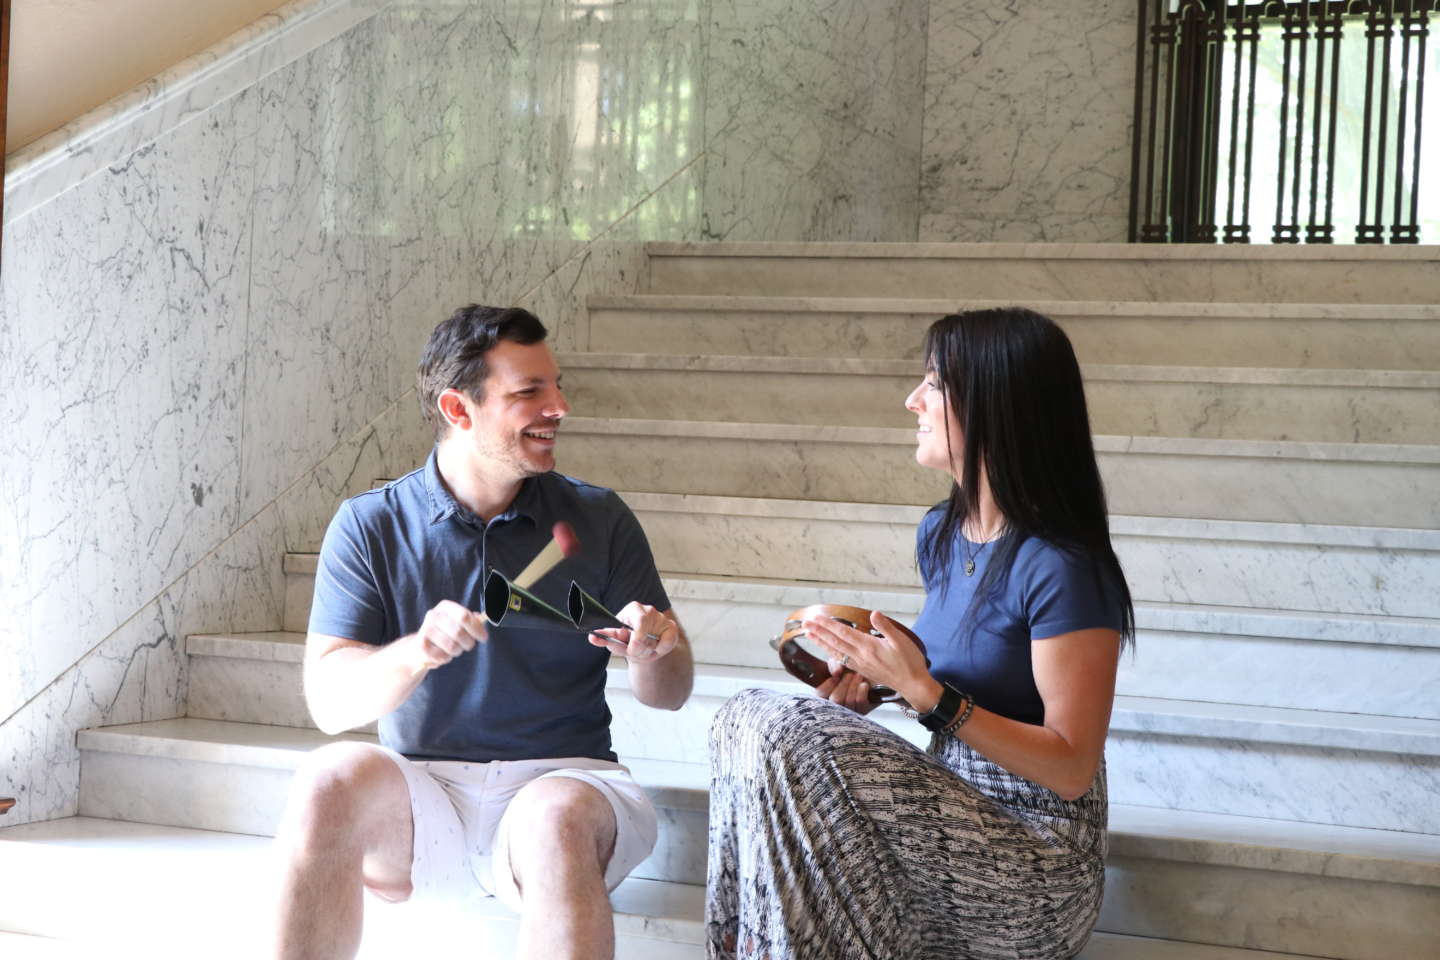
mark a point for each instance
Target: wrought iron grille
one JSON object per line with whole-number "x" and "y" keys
{"x": 1285, "y": 121}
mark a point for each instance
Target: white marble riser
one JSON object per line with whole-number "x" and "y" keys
{"x": 1351, "y": 570}
{"x": 1390, "y": 337}
{"x": 233, "y": 776}
{"x": 205, "y": 887}
{"x": 255, "y": 678}
{"x": 1257, "y": 909}
{"x": 1390, "y": 485}
{"x": 1019, "y": 273}
{"x": 728, "y": 607}
{"x": 230, "y": 786}
{"x": 1245, "y": 778}
{"x": 1233, "y": 403}
{"x": 1219, "y": 757}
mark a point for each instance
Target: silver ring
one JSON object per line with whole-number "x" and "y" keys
{"x": 845, "y": 660}
{"x": 653, "y": 636}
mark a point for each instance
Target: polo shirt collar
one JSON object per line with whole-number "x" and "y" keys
{"x": 443, "y": 504}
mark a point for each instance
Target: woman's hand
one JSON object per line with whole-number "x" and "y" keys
{"x": 847, "y": 688}
{"x": 891, "y": 659}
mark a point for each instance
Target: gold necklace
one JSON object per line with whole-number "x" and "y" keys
{"x": 970, "y": 558}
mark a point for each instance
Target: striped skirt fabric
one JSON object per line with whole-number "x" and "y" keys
{"x": 832, "y": 838}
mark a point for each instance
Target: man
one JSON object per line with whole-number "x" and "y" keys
{"x": 496, "y": 775}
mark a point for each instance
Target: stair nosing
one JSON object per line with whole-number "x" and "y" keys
{"x": 1002, "y": 250}
{"x": 1278, "y": 450}
{"x": 1132, "y": 715}
{"x": 742, "y": 364}
{"x": 1245, "y": 531}
{"x": 1151, "y": 615}
{"x": 1099, "y": 309}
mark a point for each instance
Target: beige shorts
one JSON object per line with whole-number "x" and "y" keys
{"x": 461, "y": 820}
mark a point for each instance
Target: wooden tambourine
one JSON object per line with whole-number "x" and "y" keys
{"x": 810, "y": 669}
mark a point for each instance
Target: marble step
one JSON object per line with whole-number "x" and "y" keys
{"x": 1348, "y": 336}
{"x": 1237, "y": 403}
{"x": 1020, "y": 272}
{"x": 1359, "y": 770}
{"x": 118, "y": 889}
{"x": 233, "y": 776}
{"x": 1184, "y": 651}
{"x": 1393, "y": 572}
{"x": 1393, "y": 485}
{"x": 1242, "y": 881}
{"x": 133, "y": 920}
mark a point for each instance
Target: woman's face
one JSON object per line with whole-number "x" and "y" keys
{"x": 932, "y": 448}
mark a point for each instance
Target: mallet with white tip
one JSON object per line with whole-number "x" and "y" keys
{"x": 563, "y": 543}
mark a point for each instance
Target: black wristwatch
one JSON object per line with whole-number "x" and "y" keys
{"x": 945, "y": 709}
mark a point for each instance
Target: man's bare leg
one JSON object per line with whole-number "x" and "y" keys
{"x": 561, "y": 836}
{"x": 347, "y": 826}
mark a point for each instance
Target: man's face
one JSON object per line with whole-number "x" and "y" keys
{"x": 515, "y": 421}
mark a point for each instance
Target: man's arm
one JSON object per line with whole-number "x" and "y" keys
{"x": 662, "y": 669}
{"x": 348, "y": 683}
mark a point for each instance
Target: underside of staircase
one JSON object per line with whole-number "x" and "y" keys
{"x": 1268, "y": 425}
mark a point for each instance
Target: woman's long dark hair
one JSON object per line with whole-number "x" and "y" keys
{"x": 1013, "y": 381}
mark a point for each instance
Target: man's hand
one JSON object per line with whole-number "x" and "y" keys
{"x": 647, "y": 636}
{"x": 449, "y": 630}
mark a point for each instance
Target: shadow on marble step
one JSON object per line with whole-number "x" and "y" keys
{"x": 1289, "y": 482}
{"x": 187, "y": 865}
{"x": 1260, "y": 657}
{"x": 1020, "y": 272}
{"x": 1231, "y": 403}
{"x": 1322, "y": 569}
{"x": 1390, "y": 337}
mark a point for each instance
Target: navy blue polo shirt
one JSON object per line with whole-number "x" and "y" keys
{"x": 392, "y": 554}
{"x": 985, "y": 650}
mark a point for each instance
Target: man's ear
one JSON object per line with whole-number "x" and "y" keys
{"x": 454, "y": 408}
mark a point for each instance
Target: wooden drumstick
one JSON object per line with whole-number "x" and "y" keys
{"x": 563, "y": 543}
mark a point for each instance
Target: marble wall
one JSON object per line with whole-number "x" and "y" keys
{"x": 813, "y": 119}
{"x": 1028, "y": 110}
{"x": 214, "y": 289}
{"x": 209, "y": 341}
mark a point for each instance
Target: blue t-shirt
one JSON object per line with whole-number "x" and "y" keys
{"x": 392, "y": 554}
{"x": 985, "y": 652}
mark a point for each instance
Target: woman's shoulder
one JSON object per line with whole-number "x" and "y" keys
{"x": 1061, "y": 581}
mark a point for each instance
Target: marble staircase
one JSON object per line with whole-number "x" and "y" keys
{"x": 1268, "y": 422}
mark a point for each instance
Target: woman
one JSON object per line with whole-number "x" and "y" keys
{"x": 830, "y": 836}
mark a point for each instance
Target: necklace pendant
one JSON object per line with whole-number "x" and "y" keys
{"x": 969, "y": 567}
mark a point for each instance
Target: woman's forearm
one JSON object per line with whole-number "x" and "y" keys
{"x": 1037, "y": 753}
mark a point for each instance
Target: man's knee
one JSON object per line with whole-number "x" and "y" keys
{"x": 340, "y": 793}
{"x": 561, "y": 817}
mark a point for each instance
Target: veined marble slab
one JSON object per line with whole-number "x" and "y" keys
{"x": 1021, "y": 272}
{"x": 813, "y": 119}
{"x": 1281, "y": 481}
{"x": 1392, "y": 337}
{"x": 942, "y": 250}
{"x": 1028, "y": 109}
{"x": 1355, "y": 570}
{"x": 107, "y": 135}
{"x": 1242, "y": 403}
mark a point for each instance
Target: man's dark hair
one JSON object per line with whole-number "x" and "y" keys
{"x": 454, "y": 358}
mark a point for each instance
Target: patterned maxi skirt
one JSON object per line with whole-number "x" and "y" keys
{"x": 832, "y": 838}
